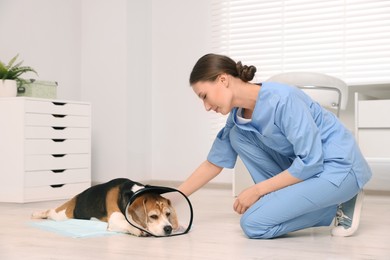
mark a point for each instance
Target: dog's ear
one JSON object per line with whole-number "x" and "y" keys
{"x": 173, "y": 216}
{"x": 137, "y": 211}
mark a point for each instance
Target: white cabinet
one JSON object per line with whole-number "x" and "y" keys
{"x": 45, "y": 149}
{"x": 372, "y": 129}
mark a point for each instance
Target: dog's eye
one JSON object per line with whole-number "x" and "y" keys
{"x": 154, "y": 217}
{"x": 168, "y": 214}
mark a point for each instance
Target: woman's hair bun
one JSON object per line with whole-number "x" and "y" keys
{"x": 245, "y": 73}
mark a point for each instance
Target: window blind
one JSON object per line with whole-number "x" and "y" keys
{"x": 349, "y": 39}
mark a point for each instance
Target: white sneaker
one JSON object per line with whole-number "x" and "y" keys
{"x": 348, "y": 216}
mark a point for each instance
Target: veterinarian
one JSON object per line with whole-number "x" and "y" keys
{"x": 306, "y": 166}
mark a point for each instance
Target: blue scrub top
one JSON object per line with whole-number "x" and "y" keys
{"x": 289, "y": 122}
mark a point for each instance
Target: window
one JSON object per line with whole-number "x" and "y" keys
{"x": 349, "y": 39}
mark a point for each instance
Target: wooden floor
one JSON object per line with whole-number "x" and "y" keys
{"x": 215, "y": 235}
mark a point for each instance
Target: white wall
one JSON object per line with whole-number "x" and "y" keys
{"x": 47, "y": 36}
{"x": 117, "y": 78}
{"x": 104, "y": 83}
{"x": 132, "y": 60}
{"x": 139, "y": 96}
{"x": 181, "y": 127}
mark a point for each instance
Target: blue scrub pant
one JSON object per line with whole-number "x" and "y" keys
{"x": 311, "y": 203}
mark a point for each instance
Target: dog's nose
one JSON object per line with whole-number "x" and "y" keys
{"x": 168, "y": 230}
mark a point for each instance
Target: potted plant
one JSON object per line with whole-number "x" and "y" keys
{"x": 10, "y": 76}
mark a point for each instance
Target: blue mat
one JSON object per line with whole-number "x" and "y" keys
{"x": 75, "y": 228}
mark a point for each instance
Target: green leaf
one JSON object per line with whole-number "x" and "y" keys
{"x": 3, "y": 70}
{"x": 14, "y": 71}
{"x": 12, "y": 61}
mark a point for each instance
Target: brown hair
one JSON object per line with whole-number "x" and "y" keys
{"x": 210, "y": 66}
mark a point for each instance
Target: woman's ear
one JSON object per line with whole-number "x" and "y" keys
{"x": 224, "y": 79}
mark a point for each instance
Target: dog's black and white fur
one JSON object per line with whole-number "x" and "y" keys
{"x": 107, "y": 202}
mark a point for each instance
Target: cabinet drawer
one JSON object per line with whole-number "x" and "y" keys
{"x": 57, "y": 107}
{"x": 374, "y": 142}
{"x": 56, "y": 146}
{"x": 51, "y": 162}
{"x": 47, "y": 178}
{"x": 55, "y": 120}
{"x": 54, "y": 192}
{"x": 381, "y": 178}
{"x": 373, "y": 113}
{"x": 43, "y": 132}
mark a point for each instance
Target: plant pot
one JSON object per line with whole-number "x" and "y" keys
{"x": 8, "y": 88}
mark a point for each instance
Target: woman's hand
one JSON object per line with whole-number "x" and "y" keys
{"x": 246, "y": 199}
{"x": 249, "y": 196}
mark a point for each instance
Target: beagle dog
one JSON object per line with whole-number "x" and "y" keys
{"x": 107, "y": 202}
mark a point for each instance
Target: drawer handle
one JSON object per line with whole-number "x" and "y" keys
{"x": 58, "y": 155}
{"x": 57, "y": 185}
{"x": 58, "y": 127}
{"x": 58, "y": 170}
{"x": 58, "y": 115}
{"x": 58, "y": 140}
{"x": 59, "y": 103}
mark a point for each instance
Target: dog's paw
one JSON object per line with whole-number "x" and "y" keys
{"x": 144, "y": 234}
{"x": 39, "y": 215}
{"x": 126, "y": 230}
{"x": 138, "y": 233}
